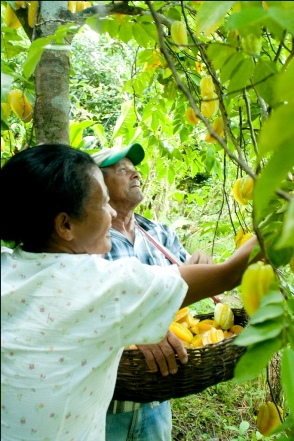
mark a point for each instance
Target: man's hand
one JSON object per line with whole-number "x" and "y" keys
{"x": 162, "y": 354}
{"x": 199, "y": 257}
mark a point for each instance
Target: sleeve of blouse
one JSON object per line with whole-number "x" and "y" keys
{"x": 150, "y": 297}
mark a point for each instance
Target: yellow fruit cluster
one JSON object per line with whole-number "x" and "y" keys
{"x": 210, "y": 102}
{"x": 20, "y": 105}
{"x": 254, "y": 285}
{"x": 195, "y": 333}
{"x": 10, "y": 17}
{"x": 6, "y": 109}
{"x": 191, "y": 117}
{"x": 178, "y": 32}
{"x": 243, "y": 190}
{"x": 78, "y": 6}
{"x": 242, "y": 236}
{"x": 218, "y": 127}
{"x": 268, "y": 418}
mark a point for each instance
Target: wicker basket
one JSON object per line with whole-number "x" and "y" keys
{"x": 206, "y": 367}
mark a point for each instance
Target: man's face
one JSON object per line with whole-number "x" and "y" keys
{"x": 123, "y": 183}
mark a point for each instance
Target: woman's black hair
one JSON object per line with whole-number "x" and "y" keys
{"x": 37, "y": 184}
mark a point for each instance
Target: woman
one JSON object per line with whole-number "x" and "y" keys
{"x": 66, "y": 312}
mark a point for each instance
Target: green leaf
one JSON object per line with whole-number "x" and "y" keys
{"x": 126, "y": 120}
{"x": 241, "y": 75}
{"x": 211, "y": 15}
{"x": 277, "y": 130}
{"x": 260, "y": 332}
{"x": 231, "y": 66}
{"x": 271, "y": 297}
{"x": 282, "y": 17}
{"x": 209, "y": 159}
{"x": 255, "y": 359}
{"x": 126, "y": 32}
{"x": 284, "y": 91}
{"x": 141, "y": 37}
{"x": 35, "y": 52}
{"x": 171, "y": 175}
{"x": 76, "y": 131}
{"x": 287, "y": 363}
{"x": 6, "y": 82}
{"x": 110, "y": 26}
{"x": 219, "y": 53}
{"x": 287, "y": 238}
{"x": 276, "y": 170}
{"x": 266, "y": 313}
{"x": 247, "y": 17}
{"x": 264, "y": 80}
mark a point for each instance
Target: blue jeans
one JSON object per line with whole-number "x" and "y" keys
{"x": 145, "y": 424}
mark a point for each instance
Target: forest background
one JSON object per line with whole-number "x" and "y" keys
{"x": 107, "y": 74}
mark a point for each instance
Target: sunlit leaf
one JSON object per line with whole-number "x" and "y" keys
{"x": 282, "y": 17}
{"x": 6, "y": 82}
{"x": 287, "y": 363}
{"x": 247, "y": 17}
{"x": 211, "y": 15}
{"x": 256, "y": 333}
{"x": 284, "y": 91}
{"x": 261, "y": 353}
{"x": 266, "y": 313}
{"x": 287, "y": 238}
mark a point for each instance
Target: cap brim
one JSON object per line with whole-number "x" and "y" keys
{"x": 135, "y": 153}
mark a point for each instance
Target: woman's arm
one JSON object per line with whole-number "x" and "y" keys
{"x": 210, "y": 280}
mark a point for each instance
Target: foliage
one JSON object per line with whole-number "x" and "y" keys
{"x": 142, "y": 94}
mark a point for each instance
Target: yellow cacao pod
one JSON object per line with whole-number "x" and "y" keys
{"x": 10, "y": 18}
{"x": 223, "y": 316}
{"x": 191, "y": 117}
{"x": 20, "y": 5}
{"x": 268, "y": 418}
{"x": 206, "y": 86}
{"x": 181, "y": 331}
{"x": 33, "y": 6}
{"x": 72, "y": 6}
{"x": 6, "y": 109}
{"x": 254, "y": 285}
{"x": 2, "y": 144}
{"x": 178, "y": 32}
{"x": 20, "y": 105}
{"x": 218, "y": 127}
{"x": 210, "y": 105}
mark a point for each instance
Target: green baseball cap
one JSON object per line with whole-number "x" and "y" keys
{"x": 135, "y": 153}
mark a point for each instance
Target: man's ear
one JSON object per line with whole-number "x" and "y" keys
{"x": 63, "y": 226}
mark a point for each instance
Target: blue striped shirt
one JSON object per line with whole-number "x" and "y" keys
{"x": 147, "y": 253}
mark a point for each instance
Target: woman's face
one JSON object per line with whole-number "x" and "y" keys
{"x": 91, "y": 232}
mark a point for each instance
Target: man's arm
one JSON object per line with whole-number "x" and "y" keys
{"x": 162, "y": 355}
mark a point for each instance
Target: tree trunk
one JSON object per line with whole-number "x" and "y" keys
{"x": 52, "y": 81}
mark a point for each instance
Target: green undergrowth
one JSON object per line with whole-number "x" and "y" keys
{"x": 225, "y": 412}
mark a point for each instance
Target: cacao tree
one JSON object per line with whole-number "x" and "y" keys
{"x": 210, "y": 91}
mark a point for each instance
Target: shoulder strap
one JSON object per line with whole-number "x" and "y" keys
{"x": 171, "y": 257}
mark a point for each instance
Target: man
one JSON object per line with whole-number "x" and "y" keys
{"x": 127, "y": 420}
